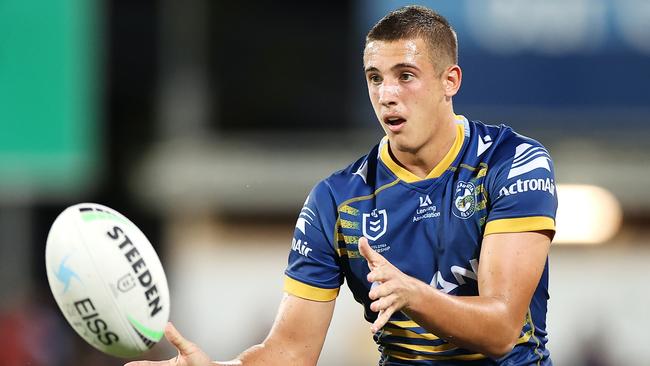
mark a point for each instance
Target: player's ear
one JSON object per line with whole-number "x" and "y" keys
{"x": 452, "y": 80}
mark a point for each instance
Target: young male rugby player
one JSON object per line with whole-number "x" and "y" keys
{"x": 442, "y": 231}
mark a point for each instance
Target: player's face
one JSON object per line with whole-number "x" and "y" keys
{"x": 407, "y": 93}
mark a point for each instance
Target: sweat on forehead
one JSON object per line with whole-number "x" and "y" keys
{"x": 380, "y": 54}
{"x": 407, "y": 47}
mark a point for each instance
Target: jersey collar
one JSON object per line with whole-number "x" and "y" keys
{"x": 437, "y": 171}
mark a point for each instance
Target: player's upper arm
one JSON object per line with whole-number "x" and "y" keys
{"x": 313, "y": 271}
{"x": 521, "y": 189}
{"x": 299, "y": 331}
{"x": 510, "y": 268}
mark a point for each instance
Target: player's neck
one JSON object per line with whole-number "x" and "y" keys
{"x": 423, "y": 160}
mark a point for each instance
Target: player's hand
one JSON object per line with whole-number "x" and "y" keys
{"x": 188, "y": 353}
{"x": 394, "y": 288}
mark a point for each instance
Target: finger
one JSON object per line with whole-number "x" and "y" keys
{"x": 382, "y": 319}
{"x": 174, "y": 337}
{"x": 373, "y": 258}
{"x": 380, "y": 290}
{"x": 377, "y": 275}
{"x": 383, "y": 303}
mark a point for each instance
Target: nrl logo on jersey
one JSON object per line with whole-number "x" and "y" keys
{"x": 375, "y": 224}
{"x": 464, "y": 204}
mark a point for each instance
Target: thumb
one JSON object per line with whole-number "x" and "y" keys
{"x": 174, "y": 337}
{"x": 368, "y": 253}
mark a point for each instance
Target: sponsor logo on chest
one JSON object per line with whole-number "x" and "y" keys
{"x": 426, "y": 210}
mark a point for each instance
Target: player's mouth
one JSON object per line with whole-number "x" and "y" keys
{"x": 394, "y": 123}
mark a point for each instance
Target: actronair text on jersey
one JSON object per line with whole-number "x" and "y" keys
{"x": 520, "y": 186}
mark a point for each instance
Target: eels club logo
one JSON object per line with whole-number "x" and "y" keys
{"x": 465, "y": 199}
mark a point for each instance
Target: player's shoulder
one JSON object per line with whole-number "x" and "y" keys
{"x": 356, "y": 179}
{"x": 498, "y": 145}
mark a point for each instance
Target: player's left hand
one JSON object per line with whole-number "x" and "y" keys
{"x": 394, "y": 290}
{"x": 188, "y": 353}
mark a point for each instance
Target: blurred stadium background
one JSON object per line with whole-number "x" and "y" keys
{"x": 207, "y": 123}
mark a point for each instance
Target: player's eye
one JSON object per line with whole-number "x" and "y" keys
{"x": 406, "y": 76}
{"x": 374, "y": 78}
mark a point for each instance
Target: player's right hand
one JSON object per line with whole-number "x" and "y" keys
{"x": 188, "y": 353}
{"x": 392, "y": 289}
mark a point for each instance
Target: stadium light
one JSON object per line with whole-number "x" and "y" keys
{"x": 586, "y": 215}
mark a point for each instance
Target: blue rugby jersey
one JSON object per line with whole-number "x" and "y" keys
{"x": 492, "y": 180}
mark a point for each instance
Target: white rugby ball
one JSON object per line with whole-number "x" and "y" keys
{"x": 107, "y": 279}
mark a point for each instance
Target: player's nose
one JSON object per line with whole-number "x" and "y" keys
{"x": 388, "y": 94}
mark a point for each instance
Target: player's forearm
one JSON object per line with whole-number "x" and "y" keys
{"x": 481, "y": 324}
{"x": 255, "y": 355}
{"x": 296, "y": 338}
{"x": 267, "y": 354}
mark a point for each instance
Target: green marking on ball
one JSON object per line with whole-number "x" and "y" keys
{"x": 149, "y": 333}
{"x": 95, "y": 215}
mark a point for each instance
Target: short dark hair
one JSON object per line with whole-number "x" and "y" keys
{"x": 415, "y": 21}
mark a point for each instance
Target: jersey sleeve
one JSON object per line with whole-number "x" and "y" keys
{"x": 313, "y": 271}
{"x": 522, "y": 192}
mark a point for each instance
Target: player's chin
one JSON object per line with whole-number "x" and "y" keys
{"x": 401, "y": 142}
